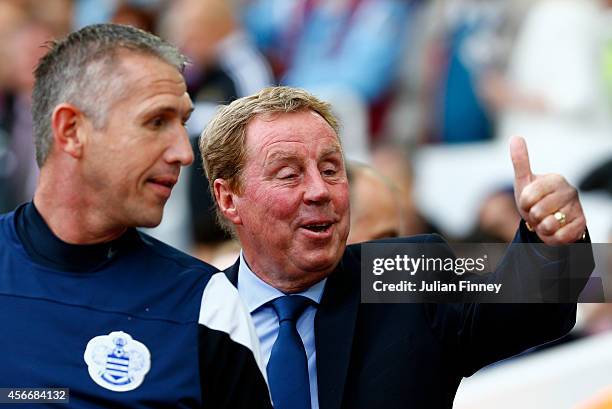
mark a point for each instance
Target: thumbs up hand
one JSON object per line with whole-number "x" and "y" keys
{"x": 548, "y": 203}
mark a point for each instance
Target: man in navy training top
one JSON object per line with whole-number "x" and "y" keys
{"x": 86, "y": 301}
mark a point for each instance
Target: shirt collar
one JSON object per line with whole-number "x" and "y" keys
{"x": 255, "y": 292}
{"x": 45, "y": 248}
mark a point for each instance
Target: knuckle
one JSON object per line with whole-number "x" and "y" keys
{"x": 535, "y": 213}
{"x": 573, "y": 192}
{"x": 527, "y": 195}
{"x": 543, "y": 229}
{"x": 555, "y": 178}
{"x": 523, "y": 204}
{"x": 562, "y": 235}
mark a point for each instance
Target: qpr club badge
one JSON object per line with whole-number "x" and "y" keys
{"x": 117, "y": 361}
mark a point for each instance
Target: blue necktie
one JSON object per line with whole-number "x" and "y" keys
{"x": 288, "y": 366}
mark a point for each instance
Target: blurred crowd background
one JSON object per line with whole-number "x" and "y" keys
{"x": 428, "y": 94}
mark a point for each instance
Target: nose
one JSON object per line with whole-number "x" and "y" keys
{"x": 316, "y": 189}
{"x": 180, "y": 151}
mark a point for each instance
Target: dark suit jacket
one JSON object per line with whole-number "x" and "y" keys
{"x": 391, "y": 356}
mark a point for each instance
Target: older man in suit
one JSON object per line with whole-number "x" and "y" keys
{"x": 276, "y": 168}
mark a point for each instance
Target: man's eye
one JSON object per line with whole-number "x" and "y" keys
{"x": 287, "y": 174}
{"x": 157, "y": 122}
{"x": 329, "y": 172}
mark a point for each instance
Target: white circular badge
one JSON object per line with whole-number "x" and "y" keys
{"x": 117, "y": 362}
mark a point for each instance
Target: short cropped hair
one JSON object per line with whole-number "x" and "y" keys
{"x": 79, "y": 70}
{"x": 223, "y": 142}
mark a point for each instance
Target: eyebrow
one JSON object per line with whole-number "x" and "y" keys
{"x": 279, "y": 156}
{"x": 331, "y": 151}
{"x": 170, "y": 109}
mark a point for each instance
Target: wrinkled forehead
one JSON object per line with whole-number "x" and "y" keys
{"x": 277, "y": 130}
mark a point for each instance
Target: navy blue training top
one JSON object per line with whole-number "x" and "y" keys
{"x": 132, "y": 323}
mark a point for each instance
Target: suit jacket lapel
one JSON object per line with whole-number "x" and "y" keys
{"x": 334, "y": 329}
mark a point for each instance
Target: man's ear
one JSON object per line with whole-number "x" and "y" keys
{"x": 68, "y": 126}
{"x": 226, "y": 200}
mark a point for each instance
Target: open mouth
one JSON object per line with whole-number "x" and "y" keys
{"x": 318, "y": 228}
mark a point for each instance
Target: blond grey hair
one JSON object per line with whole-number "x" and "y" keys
{"x": 79, "y": 70}
{"x": 223, "y": 142}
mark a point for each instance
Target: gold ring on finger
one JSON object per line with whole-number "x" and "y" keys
{"x": 561, "y": 217}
